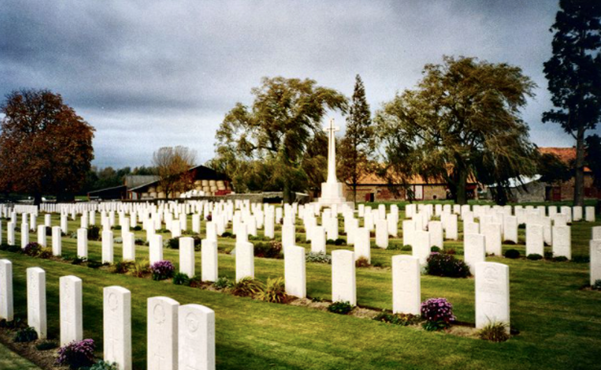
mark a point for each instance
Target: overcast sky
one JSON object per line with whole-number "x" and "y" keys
{"x": 148, "y": 74}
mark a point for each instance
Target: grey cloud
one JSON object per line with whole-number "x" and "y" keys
{"x": 154, "y": 73}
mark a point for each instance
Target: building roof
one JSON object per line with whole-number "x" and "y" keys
{"x": 566, "y": 155}
{"x": 132, "y": 181}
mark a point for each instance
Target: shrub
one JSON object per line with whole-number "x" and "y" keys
{"x": 137, "y": 228}
{"x": 535, "y": 256}
{"x": 77, "y": 354}
{"x": 181, "y": 278}
{"x": 438, "y": 313}
{"x": 78, "y": 260}
{"x": 450, "y": 251}
{"x": 406, "y": 248}
{"x": 14, "y": 248}
{"x": 548, "y": 255}
{"x": 247, "y": 287}
{"x": 446, "y": 265}
{"x": 102, "y": 365}
{"x": 139, "y": 269}
{"x": 329, "y": 242}
{"x": 45, "y": 253}
{"x": 580, "y": 259}
{"x": 32, "y": 249}
{"x": 495, "y": 332}
{"x": 46, "y": 345}
{"x": 394, "y": 247}
{"x": 117, "y": 227}
{"x": 398, "y": 318}
{"x": 340, "y": 241}
{"x": 93, "y": 232}
{"x": 228, "y": 234}
{"x": 209, "y": 217}
{"x": 139, "y": 241}
{"x": 342, "y": 308}
{"x": 4, "y": 246}
{"x": 362, "y": 262}
{"x": 434, "y": 248}
{"x": 318, "y": 257}
{"x": 173, "y": 243}
{"x": 560, "y": 259}
{"x": 512, "y": 253}
{"x": 222, "y": 283}
{"x": 274, "y": 291}
{"x": 28, "y": 334}
{"x": 121, "y": 267}
{"x": 94, "y": 264}
{"x": 271, "y": 249}
{"x": 162, "y": 270}
{"x": 596, "y": 285}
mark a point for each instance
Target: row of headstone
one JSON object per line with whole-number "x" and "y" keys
{"x": 179, "y": 337}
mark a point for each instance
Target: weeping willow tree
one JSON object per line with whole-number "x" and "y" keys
{"x": 271, "y": 145}
{"x": 462, "y": 120}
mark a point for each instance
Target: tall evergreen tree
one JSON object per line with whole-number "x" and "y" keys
{"x": 358, "y": 142}
{"x": 573, "y": 75}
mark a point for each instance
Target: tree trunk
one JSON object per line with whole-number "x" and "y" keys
{"x": 287, "y": 196}
{"x": 578, "y": 198}
{"x": 37, "y": 199}
{"x": 355, "y": 193}
{"x": 461, "y": 187}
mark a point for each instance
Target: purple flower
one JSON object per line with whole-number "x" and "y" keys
{"x": 162, "y": 270}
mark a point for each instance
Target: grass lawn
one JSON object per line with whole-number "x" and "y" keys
{"x": 558, "y": 324}
{"x": 12, "y": 361}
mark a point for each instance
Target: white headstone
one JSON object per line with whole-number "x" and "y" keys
{"x": 318, "y": 240}
{"x": 10, "y": 233}
{"x": 590, "y": 214}
{"x": 209, "y": 260}
{"x": 70, "y": 290}
{"x": 492, "y": 294}
{"x": 162, "y": 334}
{"x": 474, "y": 250}
{"x": 382, "y": 234}
{"x": 421, "y": 247}
{"x": 36, "y": 300}
{"x": 561, "y": 241}
{"x": 196, "y": 337}
{"x": 362, "y": 244}
{"x": 245, "y": 264}
{"x": 596, "y": 233}
{"x": 436, "y": 233}
{"x": 56, "y": 241}
{"x": 82, "y": 243}
{"x": 343, "y": 277}
{"x": 294, "y": 272}
{"x": 534, "y": 236}
{"x": 451, "y": 228}
{"x": 42, "y": 236}
{"x": 406, "y": 284}
{"x": 129, "y": 246}
{"x": 594, "y": 261}
{"x": 107, "y": 246}
{"x": 155, "y": 249}
{"x": 493, "y": 238}
{"x": 117, "y": 326}
{"x": 24, "y": 235}
{"x": 187, "y": 260}
{"x": 511, "y": 229}
{"x": 6, "y": 290}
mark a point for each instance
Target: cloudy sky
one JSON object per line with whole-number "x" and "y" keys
{"x": 148, "y": 74}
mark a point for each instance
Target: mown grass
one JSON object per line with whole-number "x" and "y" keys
{"x": 558, "y": 324}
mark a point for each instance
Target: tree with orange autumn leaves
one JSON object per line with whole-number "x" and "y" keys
{"x": 45, "y": 147}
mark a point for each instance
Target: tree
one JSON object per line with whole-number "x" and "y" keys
{"x": 462, "y": 121}
{"x": 45, "y": 147}
{"x": 357, "y": 144}
{"x": 172, "y": 165}
{"x": 277, "y": 129}
{"x": 592, "y": 157}
{"x": 573, "y": 75}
